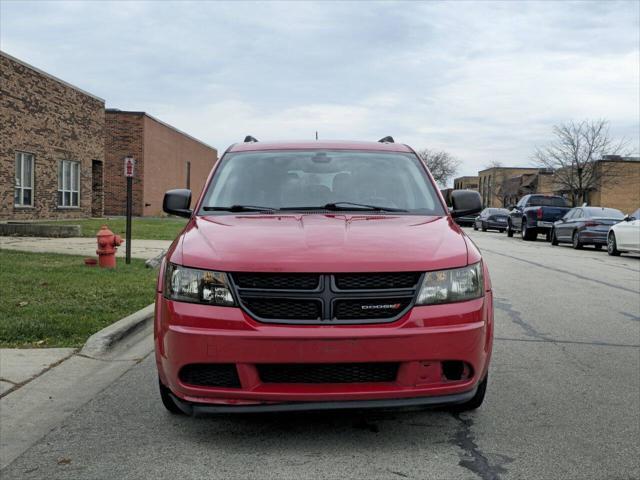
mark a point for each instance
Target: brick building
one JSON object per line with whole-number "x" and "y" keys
{"x": 466, "y": 183}
{"x": 165, "y": 158}
{"x": 51, "y": 145}
{"x": 61, "y": 153}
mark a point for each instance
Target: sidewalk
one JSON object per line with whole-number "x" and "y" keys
{"x": 18, "y": 366}
{"x": 86, "y": 246}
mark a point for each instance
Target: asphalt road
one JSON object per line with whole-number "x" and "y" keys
{"x": 563, "y": 400}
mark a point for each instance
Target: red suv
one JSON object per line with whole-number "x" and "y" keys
{"x": 320, "y": 275}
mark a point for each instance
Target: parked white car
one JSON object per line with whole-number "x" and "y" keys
{"x": 625, "y": 236}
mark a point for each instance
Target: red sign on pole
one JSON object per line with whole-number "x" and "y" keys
{"x": 129, "y": 162}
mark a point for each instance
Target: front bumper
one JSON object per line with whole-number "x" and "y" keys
{"x": 419, "y": 341}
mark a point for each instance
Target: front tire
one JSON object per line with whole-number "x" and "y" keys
{"x": 484, "y": 227}
{"x": 575, "y": 241}
{"x": 475, "y": 401}
{"x": 554, "y": 238}
{"x": 509, "y": 229}
{"x": 612, "y": 246}
{"x": 475, "y": 226}
{"x": 167, "y": 401}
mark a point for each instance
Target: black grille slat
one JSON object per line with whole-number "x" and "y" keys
{"x": 370, "y": 281}
{"x": 282, "y": 308}
{"x": 277, "y": 281}
{"x": 223, "y": 375}
{"x": 362, "y": 309}
{"x": 328, "y": 373}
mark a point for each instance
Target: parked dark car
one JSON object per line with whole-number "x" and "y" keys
{"x": 535, "y": 214}
{"x": 492, "y": 219}
{"x": 465, "y": 220}
{"x": 585, "y": 226}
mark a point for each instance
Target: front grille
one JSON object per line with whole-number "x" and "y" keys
{"x": 275, "y": 308}
{"x": 366, "y": 281}
{"x": 359, "y": 309}
{"x": 328, "y": 372}
{"x": 277, "y": 281}
{"x": 210, "y": 375}
{"x": 315, "y": 298}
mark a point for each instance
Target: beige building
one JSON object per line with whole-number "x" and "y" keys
{"x": 492, "y": 184}
{"x": 621, "y": 189}
{"x": 466, "y": 183}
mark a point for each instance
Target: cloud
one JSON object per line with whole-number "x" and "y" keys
{"x": 483, "y": 80}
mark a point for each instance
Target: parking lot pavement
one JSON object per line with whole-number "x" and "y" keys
{"x": 563, "y": 400}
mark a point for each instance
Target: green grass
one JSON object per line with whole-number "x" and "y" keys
{"x": 50, "y": 300}
{"x": 142, "y": 228}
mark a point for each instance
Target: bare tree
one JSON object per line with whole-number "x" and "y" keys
{"x": 441, "y": 164}
{"x": 574, "y": 155}
{"x": 494, "y": 164}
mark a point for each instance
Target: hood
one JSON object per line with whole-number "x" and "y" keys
{"x": 320, "y": 243}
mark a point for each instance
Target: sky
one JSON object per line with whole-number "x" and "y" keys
{"x": 485, "y": 81}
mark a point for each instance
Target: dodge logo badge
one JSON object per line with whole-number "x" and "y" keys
{"x": 383, "y": 306}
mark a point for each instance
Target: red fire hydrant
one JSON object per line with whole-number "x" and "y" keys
{"x": 107, "y": 243}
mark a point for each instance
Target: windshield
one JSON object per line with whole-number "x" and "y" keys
{"x": 597, "y": 212}
{"x": 315, "y": 178}
{"x": 548, "y": 202}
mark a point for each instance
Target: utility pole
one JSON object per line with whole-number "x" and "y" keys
{"x": 129, "y": 163}
{"x": 316, "y": 135}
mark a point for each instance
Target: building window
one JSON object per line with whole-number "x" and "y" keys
{"x": 68, "y": 184}
{"x": 23, "y": 193}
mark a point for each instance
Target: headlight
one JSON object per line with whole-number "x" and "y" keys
{"x": 197, "y": 286}
{"x": 456, "y": 285}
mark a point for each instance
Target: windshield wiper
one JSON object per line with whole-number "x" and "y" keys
{"x": 348, "y": 206}
{"x": 239, "y": 208}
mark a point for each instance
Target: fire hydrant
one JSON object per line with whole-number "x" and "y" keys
{"x": 107, "y": 243}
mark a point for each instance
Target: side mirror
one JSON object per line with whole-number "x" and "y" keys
{"x": 627, "y": 218}
{"x": 465, "y": 202}
{"x": 511, "y": 207}
{"x": 177, "y": 202}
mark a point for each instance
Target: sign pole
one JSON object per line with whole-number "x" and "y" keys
{"x": 128, "y": 172}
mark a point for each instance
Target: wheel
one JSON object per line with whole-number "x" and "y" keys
{"x": 612, "y": 246}
{"x": 528, "y": 234}
{"x": 509, "y": 229}
{"x": 484, "y": 227}
{"x": 598, "y": 247}
{"x": 475, "y": 401}
{"x": 475, "y": 226}
{"x": 554, "y": 238}
{"x": 575, "y": 240}
{"x": 167, "y": 401}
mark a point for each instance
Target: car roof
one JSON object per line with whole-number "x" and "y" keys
{"x": 319, "y": 145}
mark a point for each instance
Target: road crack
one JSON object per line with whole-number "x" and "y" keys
{"x": 472, "y": 458}
{"x": 515, "y": 316}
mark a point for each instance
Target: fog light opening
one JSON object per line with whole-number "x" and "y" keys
{"x": 454, "y": 370}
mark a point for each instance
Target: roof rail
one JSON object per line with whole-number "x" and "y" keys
{"x": 387, "y": 139}
{"x": 250, "y": 139}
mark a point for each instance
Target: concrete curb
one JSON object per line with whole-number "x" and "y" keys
{"x": 106, "y": 339}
